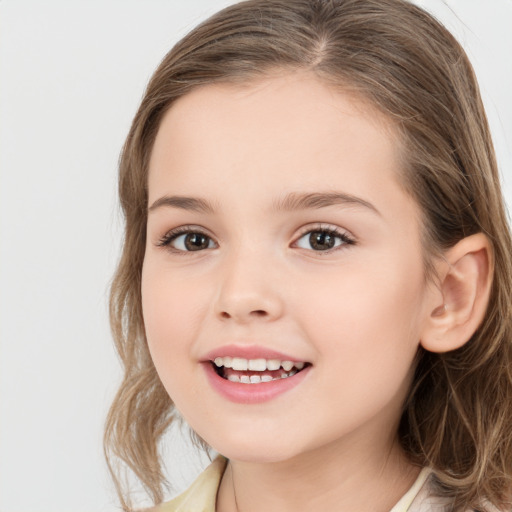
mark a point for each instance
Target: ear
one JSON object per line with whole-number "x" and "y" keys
{"x": 458, "y": 304}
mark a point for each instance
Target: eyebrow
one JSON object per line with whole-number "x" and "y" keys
{"x": 291, "y": 202}
{"x": 316, "y": 200}
{"x": 195, "y": 204}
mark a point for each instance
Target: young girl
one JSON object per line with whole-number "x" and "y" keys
{"x": 316, "y": 272}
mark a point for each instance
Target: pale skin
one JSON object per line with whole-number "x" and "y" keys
{"x": 357, "y": 312}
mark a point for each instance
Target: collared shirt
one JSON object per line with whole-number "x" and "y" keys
{"x": 201, "y": 495}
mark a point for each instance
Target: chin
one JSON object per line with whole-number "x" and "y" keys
{"x": 255, "y": 439}
{"x": 254, "y": 450}
{"x": 255, "y": 456}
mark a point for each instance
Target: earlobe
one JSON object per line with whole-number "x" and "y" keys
{"x": 460, "y": 301}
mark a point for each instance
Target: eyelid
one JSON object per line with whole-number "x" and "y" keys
{"x": 322, "y": 226}
{"x": 172, "y": 234}
{"x": 341, "y": 233}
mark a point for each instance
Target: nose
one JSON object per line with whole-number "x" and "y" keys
{"x": 249, "y": 290}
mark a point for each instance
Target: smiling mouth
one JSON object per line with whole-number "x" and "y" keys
{"x": 256, "y": 371}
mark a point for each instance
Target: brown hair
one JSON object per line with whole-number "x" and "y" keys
{"x": 458, "y": 415}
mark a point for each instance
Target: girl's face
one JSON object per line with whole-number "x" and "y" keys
{"x": 278, "y": 231}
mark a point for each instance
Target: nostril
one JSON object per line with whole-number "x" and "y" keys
{"x": 257, "y": 312}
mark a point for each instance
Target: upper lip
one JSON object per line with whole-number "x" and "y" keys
{"x": 249, "y": 352}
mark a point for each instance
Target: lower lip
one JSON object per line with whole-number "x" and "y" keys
{"x": 252, "y": 393}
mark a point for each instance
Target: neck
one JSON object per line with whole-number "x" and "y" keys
{"x": 330, "y": 478}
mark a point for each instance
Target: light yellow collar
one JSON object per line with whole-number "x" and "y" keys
{"x": 201, "y": 496}
{"x": 407, "y": 499}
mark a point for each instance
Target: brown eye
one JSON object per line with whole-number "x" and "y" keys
{"x": 323, "y": 240}
{"x": 187, "y": 241}
{"x": 196, "y": 241}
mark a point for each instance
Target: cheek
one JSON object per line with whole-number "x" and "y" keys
{"x": 366, "y": 316}
{"x": 171, "y": 312}
{"x": 172, "y": 317}
{"x": 365, "y": 327}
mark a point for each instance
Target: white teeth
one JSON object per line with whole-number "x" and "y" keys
{"x": 257, "y": 365}
{"x": 239, "y": 364}
{"x": 273, "y": 364}
{"x": 256, "y": 379}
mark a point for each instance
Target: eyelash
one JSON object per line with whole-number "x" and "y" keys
{"x": 345, "y": 238}
{"x": 173, "y": 234}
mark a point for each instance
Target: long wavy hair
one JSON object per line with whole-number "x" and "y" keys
{"x": 457, "y": 418}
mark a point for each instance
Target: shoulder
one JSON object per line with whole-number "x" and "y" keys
{"x": 201, "y": 495}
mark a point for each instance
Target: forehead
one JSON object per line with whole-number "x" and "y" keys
{"x": 291, "y": 130}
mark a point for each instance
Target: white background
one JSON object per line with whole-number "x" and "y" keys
{"x": 71, "y": 76}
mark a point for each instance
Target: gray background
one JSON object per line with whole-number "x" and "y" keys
{"x": 71, "y": 76}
